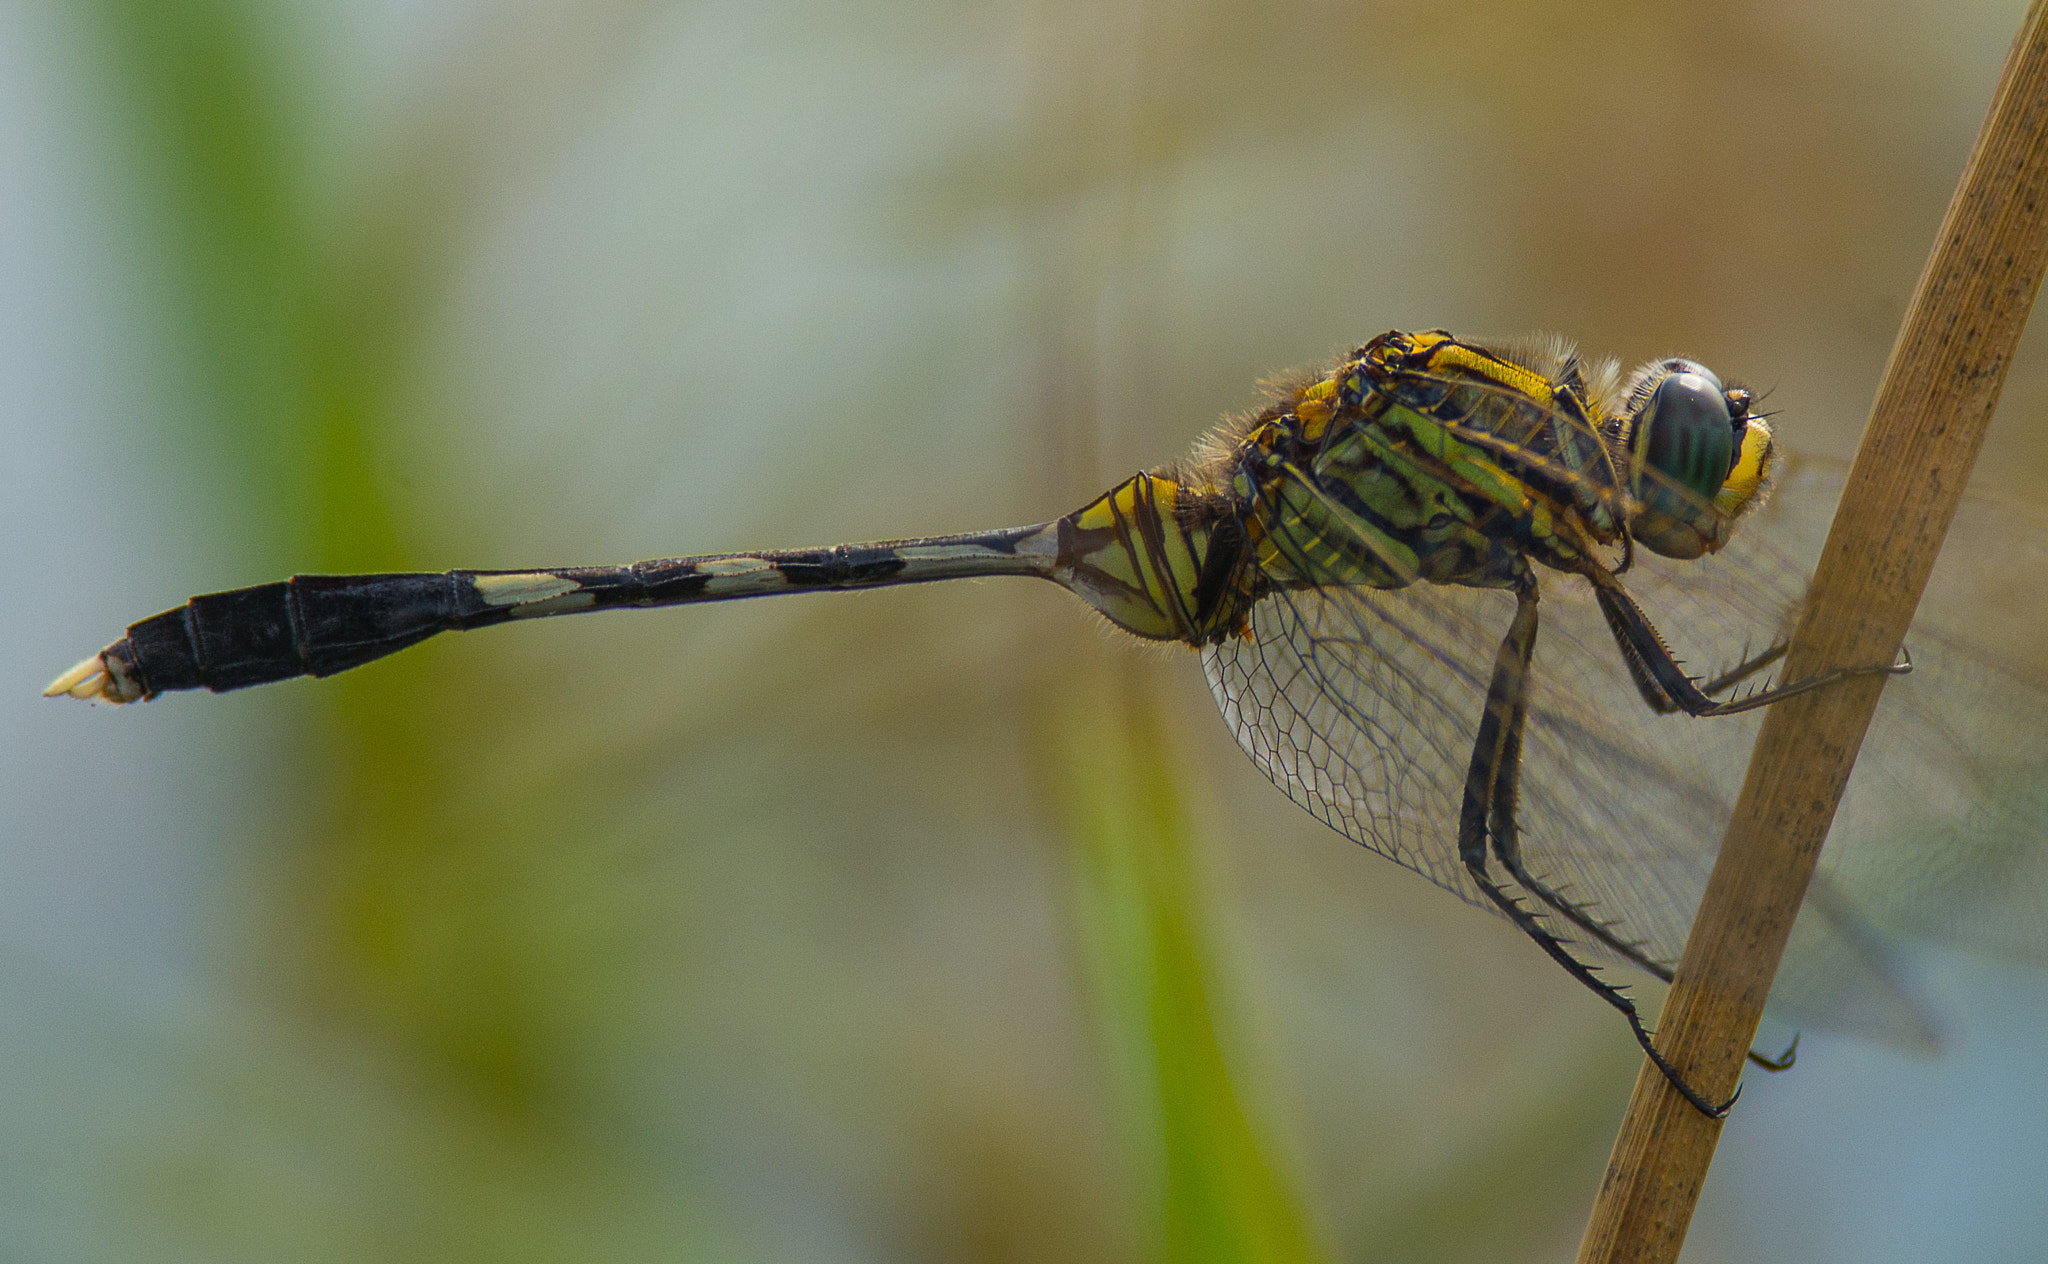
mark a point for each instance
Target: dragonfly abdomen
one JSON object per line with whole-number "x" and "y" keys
{"x": 317, "y": 625}
{"x": 308, "y": 625}
{"x": 1161, "y": 560}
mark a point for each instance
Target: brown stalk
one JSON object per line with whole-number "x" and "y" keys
{"x": 1939, "y": 390}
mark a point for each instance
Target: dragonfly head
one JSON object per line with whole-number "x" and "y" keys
{"x": 1697, "y": 457}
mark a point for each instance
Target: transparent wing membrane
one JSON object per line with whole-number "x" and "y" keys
{"x": 1360, "y": 704}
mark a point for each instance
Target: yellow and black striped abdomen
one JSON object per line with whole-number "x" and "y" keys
{"x": 1160, "y": 560}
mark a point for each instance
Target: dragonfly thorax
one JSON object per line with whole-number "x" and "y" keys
{"x": 1421, "y": 458}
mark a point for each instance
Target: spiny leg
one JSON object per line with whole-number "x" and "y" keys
{"x": 1745, "y": 669}
{"x": 1663, "y": 682}
{"x": 1578, "y": 915}
{"x": 1499, "y": 739}
{"x": 1653, "y": 693}
{"x": 1657, "y": 700}
{"x": 1507, "y": 847}
{"x": 1666, "y": 688}
{"x": 1489, "y": 782}
{"x": 1502, "y": 792}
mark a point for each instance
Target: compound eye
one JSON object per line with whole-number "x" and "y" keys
{"x": 1688, "y": 439}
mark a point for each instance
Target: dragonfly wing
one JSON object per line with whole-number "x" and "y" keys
{"x": 1943, "y": 830}
{"x": 1362, "y": 705}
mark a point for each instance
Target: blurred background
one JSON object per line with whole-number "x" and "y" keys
{"x": 931, "y": 924}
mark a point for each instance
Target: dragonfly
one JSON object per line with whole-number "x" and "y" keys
{"x": 1363, "y": 566}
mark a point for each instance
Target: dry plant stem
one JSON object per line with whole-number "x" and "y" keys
{"x": 1938, "y": 393}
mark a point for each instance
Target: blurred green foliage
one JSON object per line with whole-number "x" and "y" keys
{"x": 1218, "y": 1193}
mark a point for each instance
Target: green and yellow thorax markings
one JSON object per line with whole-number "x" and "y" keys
{"x": 1420, "y": 457}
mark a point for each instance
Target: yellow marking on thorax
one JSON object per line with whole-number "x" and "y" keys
{"x": 1452, "y": 355}
{"x": 1314, "y": 406}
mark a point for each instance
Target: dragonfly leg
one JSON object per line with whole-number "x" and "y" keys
{"x": 1655, "y": 696}
{"x": 1490, "y": 789}
{"x": 1783, "y": 1062}
{"x": 1507, "y": 847}
{"x": 1532, "y": 926}
{"x": 1511, "y": 676}
{"x": 1745, "y": 669}
{"x": 1578, "y": 915}
{"x": 1659, "y": 676}
{"x": 1496, "y": 753}
{"x": 1495, "y": 783}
